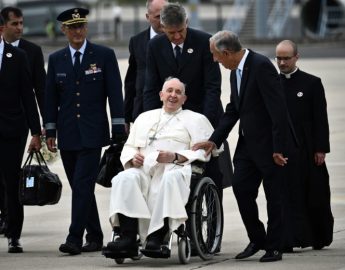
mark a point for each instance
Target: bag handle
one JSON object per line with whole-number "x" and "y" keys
{"x": 39, "y": 158}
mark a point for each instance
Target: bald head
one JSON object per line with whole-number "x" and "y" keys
{"x": 286, "y": 56}
{"x": 154, "y": 8}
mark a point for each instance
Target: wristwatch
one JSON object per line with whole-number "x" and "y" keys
{"x": 175, "y": 161}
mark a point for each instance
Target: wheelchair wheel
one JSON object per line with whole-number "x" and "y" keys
{"x": 206, "y": 218}
{"x": 119, "y": 260}
{"x": 184, "y": 250}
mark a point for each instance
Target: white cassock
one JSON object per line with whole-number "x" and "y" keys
{"x": 158, "y": 190}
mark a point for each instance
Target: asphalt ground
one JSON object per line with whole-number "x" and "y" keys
{"x": 45, "y": 228}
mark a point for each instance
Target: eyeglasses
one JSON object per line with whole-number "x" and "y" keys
{"x": 281, "y": 58}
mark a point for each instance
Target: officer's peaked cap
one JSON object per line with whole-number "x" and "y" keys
{"x": 73, "y": 15}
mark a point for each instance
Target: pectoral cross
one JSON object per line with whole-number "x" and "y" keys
{"x": 152, "y": 138}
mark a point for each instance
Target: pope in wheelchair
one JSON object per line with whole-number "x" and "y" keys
{"x": 148, "y": 199}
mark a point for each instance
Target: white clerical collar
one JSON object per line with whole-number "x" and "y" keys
{"x": 15, "y": 43}
{"x": 288, "y": 75}
{"x": 153, "y": 33}
{"x": 243, "y": 60}
{"x": 81, "y": 50}
{"x": 171, "y": 113}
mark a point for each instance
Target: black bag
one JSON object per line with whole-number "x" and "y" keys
{"x": 38, "y": 185}
{"x": 110, "y": 165}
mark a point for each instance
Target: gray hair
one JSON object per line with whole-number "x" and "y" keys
{"x": 173, "y": 14}
{"x": 226, "y": 40}
{"x": 174, "y": 78}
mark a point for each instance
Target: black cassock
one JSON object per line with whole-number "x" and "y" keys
{"x": 307, "y": 212}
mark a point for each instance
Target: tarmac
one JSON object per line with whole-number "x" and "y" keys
{"x": 46, "y": 227}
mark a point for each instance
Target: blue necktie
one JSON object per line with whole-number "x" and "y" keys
{"x": 238, "y": 79}
{"x": 76, "y": 65}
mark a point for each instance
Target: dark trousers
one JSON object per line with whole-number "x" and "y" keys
{"x": 3, "y": 207}
{"x": 81, "y": 168}
{"x": 248, "y": 176}
{"x": 10, "y": 164}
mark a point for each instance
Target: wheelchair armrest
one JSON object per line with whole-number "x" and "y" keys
{"x": 198, "y": 168}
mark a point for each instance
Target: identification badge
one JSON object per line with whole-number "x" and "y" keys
{"x": 30, "y": 182}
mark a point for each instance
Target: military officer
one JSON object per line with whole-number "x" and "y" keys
{"x": 80, "y": 79}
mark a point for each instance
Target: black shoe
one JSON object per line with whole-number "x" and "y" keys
{"x": 123, "y": 243}
{"x": 3, "y": 226}
{"x": 156, "y": 239}
{"x": 91, "y": 247}
{"x": 288, "y": 250}
{"x": 271, "y": 256}
{"x": 318, "y": 247}
{"x": 14, "y": 246}
{"x": 70, "y": 248}
{"x": 153, "y": 243}
{"x": 250, "y": 250}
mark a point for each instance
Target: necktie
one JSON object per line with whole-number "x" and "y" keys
{"x": 177, "y": 54}
{"x": 238, "y": 79}
{"x": 76, "y": 66}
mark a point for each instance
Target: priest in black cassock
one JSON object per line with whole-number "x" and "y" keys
{"x": 308, "y": 217}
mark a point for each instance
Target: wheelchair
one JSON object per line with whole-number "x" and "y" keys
{"x": 200, "y": 235}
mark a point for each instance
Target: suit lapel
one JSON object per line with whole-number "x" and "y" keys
{"x": 68, "y": 61}
{"x": 245, "y": 76}
{"x": 88, "y": 59}
{"x": 168, "y": 55}
{"x": 7, "y": 58}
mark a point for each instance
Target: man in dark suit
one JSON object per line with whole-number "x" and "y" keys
{"x": 257, "y": 100}
{"x": 12, "y": 33}
{"x": 194, "y": 66}
{"x": 308, "y": 206}
{"x": 80, "y": 79}
{"x": 18, "y": 113}
{"x": 135, "y": 76}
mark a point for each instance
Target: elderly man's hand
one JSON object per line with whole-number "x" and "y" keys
{"x": 165, "y": 157}
{"x": 319, "y": 158}
{"x": 279, "y": 159}
{"x": 51, "y": 144}
{"x": 138, "y": 160}
{"x": 208, "y": 146}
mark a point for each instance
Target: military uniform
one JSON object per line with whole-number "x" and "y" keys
{"x": 75, "y": 103}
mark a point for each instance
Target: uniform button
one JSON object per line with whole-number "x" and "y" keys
{"x": 94, "y": 78}
{"x": 77, "y": 82}
{"x": 78, "y": 105}
{"x": 78, "y": 94}
{"x": 78, "y": 115}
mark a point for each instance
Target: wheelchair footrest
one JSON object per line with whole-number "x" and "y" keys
{"x": 108, "y": 253}
{"x": 164, "y": 252}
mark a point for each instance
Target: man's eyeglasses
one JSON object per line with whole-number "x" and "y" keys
{"x": 286, "y": 58}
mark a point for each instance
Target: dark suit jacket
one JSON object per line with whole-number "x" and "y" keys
{"x": 76, "y": 104}
{"x": 18, "y": 109}
{"x": 197, "y": 70}
{"x": 135, "y": 76}
{"x": 38, "y": 73}
{"x": 261, "y": 109}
